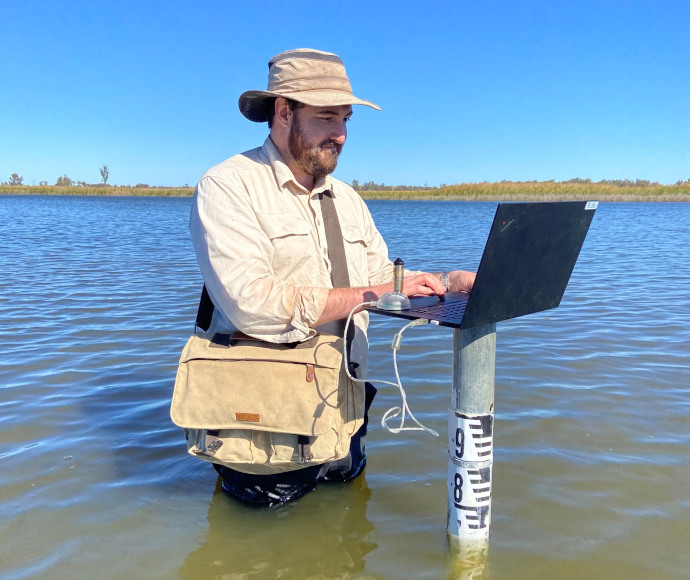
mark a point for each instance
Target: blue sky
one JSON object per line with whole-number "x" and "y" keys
{"x": 470, "y": 91}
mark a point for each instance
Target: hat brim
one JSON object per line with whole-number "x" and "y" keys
{"x": 253, "y": 103}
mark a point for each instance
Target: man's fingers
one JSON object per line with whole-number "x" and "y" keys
{"x": 422, "y": 285}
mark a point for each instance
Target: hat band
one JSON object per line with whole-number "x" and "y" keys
{"x": 311, "y": 84}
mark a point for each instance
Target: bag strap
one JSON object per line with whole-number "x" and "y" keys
{"x": 340, "y": 276}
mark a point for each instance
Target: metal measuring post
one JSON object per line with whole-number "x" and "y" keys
{"x": 470, "y": 433}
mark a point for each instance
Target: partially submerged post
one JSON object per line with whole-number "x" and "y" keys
{"x": 470, "y": 433}
{"x": 525, "y": 268}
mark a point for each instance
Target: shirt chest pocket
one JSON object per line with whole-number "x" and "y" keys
{"x": 293, "y": 249}
{"x": 356, "y": 253}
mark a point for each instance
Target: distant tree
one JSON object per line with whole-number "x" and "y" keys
{"x": 64, "y": 181}
{"x": 42, "y": 183}
{"x": 355, "y": 184}
{"x": 142, "y": 185}
{"x": 15, "y": 179}
{"x": 104, "y": 174}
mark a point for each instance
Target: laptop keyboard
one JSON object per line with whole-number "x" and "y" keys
{"x": 453, "y": 310}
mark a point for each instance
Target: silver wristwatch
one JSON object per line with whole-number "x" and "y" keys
{"x": 444, "y": 280}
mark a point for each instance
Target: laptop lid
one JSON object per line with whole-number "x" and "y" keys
{"x": 525, "y": 268}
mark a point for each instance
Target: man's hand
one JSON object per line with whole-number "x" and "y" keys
{"x": 422, "y": 285}
{"x": 460, "y": 281}
{"x": 426, "y": 284}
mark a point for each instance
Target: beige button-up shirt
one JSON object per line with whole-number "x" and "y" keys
{"x": 261, "y": 245}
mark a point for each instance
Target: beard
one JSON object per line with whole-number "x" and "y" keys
{"x": 315, "y": 160}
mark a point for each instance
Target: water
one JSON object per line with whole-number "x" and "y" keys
{"x": 592, "y": 442}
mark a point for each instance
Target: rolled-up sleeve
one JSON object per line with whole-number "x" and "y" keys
{"x": 235, "y": 257}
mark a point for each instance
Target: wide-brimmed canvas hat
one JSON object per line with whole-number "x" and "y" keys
{"x": 305, "y": 75}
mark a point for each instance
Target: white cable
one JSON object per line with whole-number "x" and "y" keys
{"x": 393, "y": 411}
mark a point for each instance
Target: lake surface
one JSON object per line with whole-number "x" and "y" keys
{"x": 592, "y": 435}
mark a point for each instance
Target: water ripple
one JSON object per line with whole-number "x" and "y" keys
{"x": 97, "y": 297}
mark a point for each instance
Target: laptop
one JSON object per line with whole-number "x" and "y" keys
{"x": 526, "y": 265}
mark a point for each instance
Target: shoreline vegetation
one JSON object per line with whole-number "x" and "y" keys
{"x": 577, "y": 189}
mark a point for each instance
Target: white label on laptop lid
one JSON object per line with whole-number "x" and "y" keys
{"x": 591, "y": 205}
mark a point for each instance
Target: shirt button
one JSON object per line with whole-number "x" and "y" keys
{"x": 318, "y": 222}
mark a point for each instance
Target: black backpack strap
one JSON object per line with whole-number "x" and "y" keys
{"x": 205, "y": 312}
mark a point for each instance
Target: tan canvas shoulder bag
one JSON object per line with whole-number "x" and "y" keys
{"x": 260, "y": 407}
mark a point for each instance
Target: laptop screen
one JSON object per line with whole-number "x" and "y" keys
{"x": 526, "y": 265}
{"x": 528, "y": 259}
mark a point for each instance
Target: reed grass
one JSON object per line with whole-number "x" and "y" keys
{"x": 100, "y": 191}
{"x": 485, "y": 191}
{"x": 541, "y": 191}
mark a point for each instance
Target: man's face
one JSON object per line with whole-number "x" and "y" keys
{"x": 317, "y": 136}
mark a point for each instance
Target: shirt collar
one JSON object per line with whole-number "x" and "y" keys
{"x": 283, "y": 174}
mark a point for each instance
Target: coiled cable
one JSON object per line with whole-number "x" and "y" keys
{"x": 403, "y": 410}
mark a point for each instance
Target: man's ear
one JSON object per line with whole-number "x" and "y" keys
{"x": 283, "y": 114}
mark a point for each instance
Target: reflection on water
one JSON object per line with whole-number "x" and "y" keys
{"x": 591, "y": 445}
{"x": 323, "y": 536}
{"x": 469, "y": 561}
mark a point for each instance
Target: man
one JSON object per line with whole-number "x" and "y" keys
{"x": 258, "y": 230}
